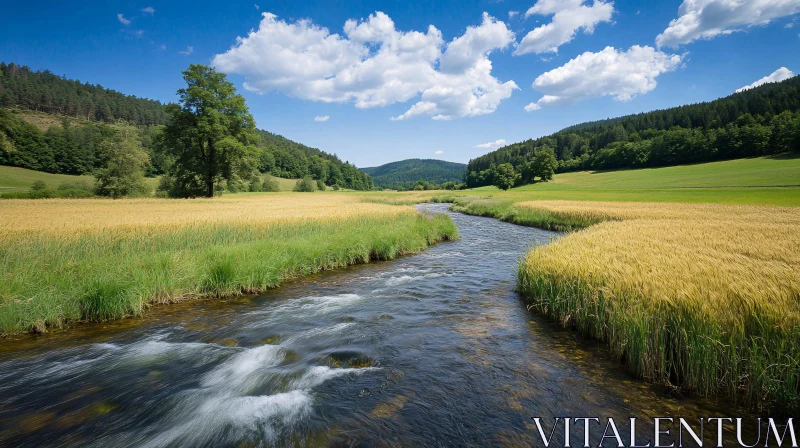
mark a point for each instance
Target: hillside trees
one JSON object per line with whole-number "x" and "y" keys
{"x": 43, "y": 91}
{"x": 757, "y": 122}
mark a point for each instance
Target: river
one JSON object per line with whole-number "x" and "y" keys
{"x": 434, "y": 349}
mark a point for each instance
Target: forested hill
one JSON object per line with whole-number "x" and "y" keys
{"x": 759, "y": 121}
{"x": 289, "y": 159}
{"x": 43, "y": 91}
{"x": 403, "y": 174}
{"x": 56, "y": 125}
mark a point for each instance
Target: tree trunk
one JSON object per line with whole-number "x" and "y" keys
{"x": 210, "y": 175}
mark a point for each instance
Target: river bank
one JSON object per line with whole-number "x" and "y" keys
{"x": 98, "y": 260}
{"x": 700, "y": 297}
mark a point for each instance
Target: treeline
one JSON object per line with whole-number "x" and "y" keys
{"x": 43, "y": 91}
{"x": 410, "y": 174}
{"x": 69, "y": 148}
{"x": 760, "y": 121}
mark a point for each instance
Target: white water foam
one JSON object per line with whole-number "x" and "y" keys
{"x": 394, "y": 281}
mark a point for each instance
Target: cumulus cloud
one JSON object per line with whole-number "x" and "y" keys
{"x": 322, "y": 118}
{"x": 123, "y": 20}
{"x": 621, "y": 74}
{"x": 706, "y": 19}
{"x": 374, "y": 65}
{"x": 149, "y": 10}
{"x": 512, "y": 14}
{"x": 438, "y": 153}
{"x": 495, "y": 144}
{"x": 778, "y": 75}
{"x": 569, "y": 16}
{"x": 189, "y": 50}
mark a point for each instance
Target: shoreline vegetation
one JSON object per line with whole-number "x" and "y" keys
{"x": 703, "y": 298}
{"x": 100, "y": 259}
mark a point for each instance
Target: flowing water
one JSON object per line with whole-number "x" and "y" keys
{"x": 434, "y": 349}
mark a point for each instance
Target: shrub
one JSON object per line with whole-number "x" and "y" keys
{"x": 79, "y": 185}
{"x": 306, "y": 185}
{"x": 39, "y": 185}
{"x": 270, "y": 184}
{"x": 255, "y": 184}
{"x": 320, "y": 185}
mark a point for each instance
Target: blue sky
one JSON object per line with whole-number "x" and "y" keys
{"x": 476, "y": 72}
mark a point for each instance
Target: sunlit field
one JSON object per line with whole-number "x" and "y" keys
{"x": 702, "y": 297}
{"x": 771, "y": 180}
{"x": 97, "y": 259}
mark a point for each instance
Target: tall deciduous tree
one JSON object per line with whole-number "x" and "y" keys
{"x": 210, "y": 134}
{"x": 505, "y": 176}
{"x": 126, "y": 160}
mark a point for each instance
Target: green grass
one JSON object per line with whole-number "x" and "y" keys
{"x": 21, "y": 179}
{"x": 50, "y": 280}
{"x": 765, "y": 180}
{"x": 504, "y": 210}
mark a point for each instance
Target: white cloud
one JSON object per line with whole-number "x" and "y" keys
{"x": 149, "y": 10}
{"x": 706, "y": 19}
{"x": 569, "y": 16}
{"x": 256, "y": 6}
{"x": 511, "y": 14}
{"x": 163, "y": 47}
{"x": 621, "y": 74}
{"x": 778, "y": 75}
{"x": 322, "y": 118}
{"x": 374, "y": 65}
{"x": 495, "y": 144}
{"x": 189, "y": 50}
{"x": 438, "y": 153}
{"x": 123, "y": 20}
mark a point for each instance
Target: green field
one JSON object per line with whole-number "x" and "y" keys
{"x": 765, "y": 180}
{"x": 20, "y": 179}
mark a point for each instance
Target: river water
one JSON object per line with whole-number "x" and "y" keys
{"x": 434, "y": 349}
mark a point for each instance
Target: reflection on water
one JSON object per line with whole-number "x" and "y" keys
{"x": 433, "y": 349}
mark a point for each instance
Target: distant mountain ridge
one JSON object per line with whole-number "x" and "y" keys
{"x": 404, "y": 173}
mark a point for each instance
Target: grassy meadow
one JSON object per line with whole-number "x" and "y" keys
{"x": 98, "y": 259}
{"x": 21, "y": 179}
{"x": 765, "y": 180}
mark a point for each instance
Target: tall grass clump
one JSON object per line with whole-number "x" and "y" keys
{"x": 128, "y": 254}
{"x": 704, "y": 298}
{"x": 505, "y": 210}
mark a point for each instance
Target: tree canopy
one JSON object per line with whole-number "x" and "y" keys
{"x": 210, "y": 134}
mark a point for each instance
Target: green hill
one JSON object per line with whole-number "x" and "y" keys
{"x": 403, "y": 174}
{"x": 56, "y": 125}
{"x": 757, "y": 122}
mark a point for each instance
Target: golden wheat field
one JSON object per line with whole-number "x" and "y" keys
{"x": 67, "y": 217}
{"x": 703, "y": 295}
{"x": 100, "y": 259}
